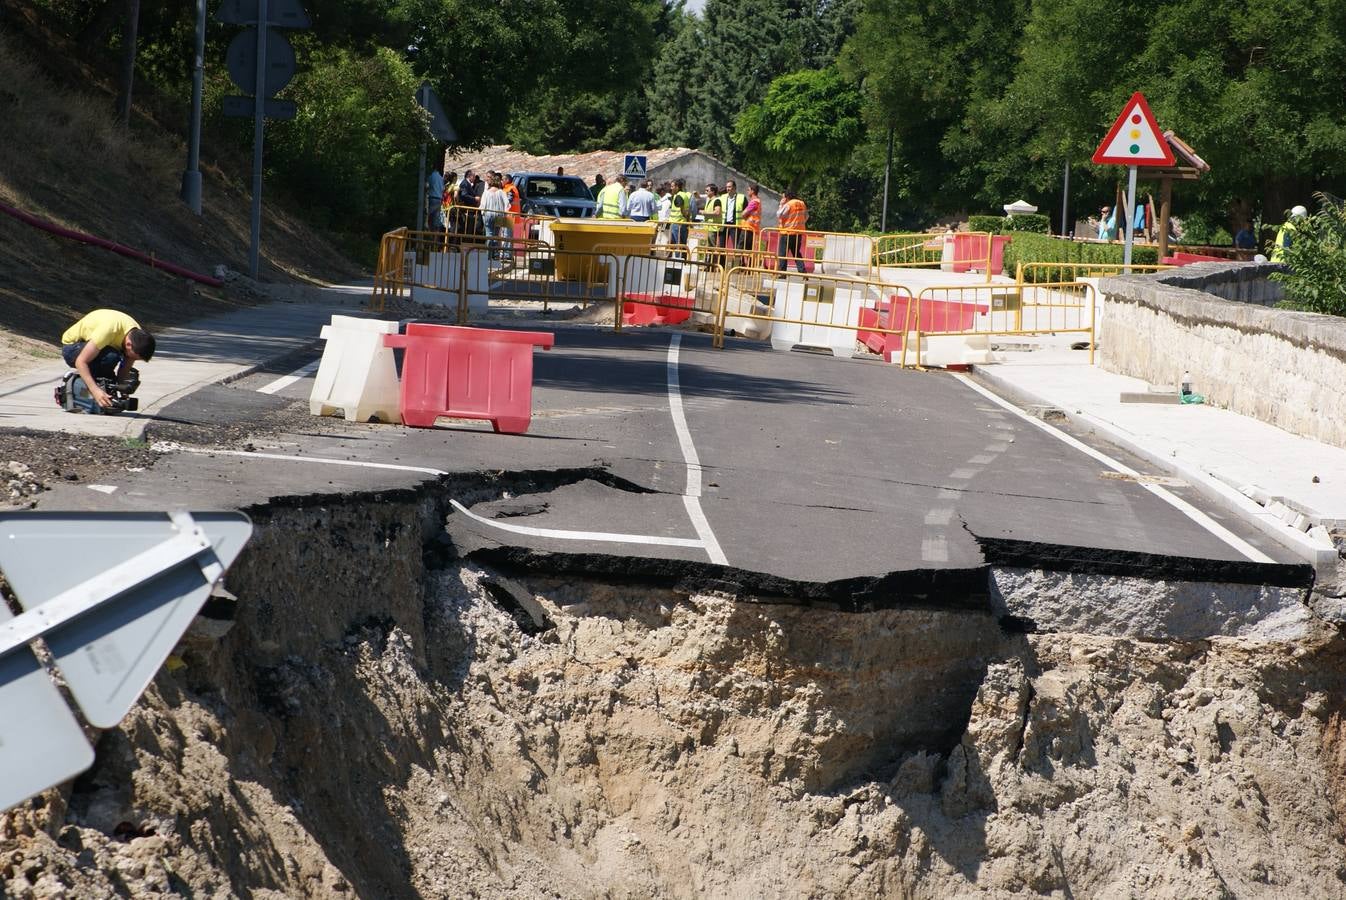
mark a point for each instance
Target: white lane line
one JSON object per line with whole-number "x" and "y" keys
{"x": 556, "y": 533}
{"x": 567, "y": 535}
{"x": 966, "y": 473}
{"x": 1176, "y": 502}
{"x": 940, "y": 515}
{"x": 286, "y": 380}
{"x": 691, "y": 498}
{"x": 982, "y": 459}
{"x": 935, "y": 549}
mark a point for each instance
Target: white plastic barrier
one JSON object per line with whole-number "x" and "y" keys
{"x": 824, "y": 304}
{"x": 435, "y": 283}
{"x": 938, "y": 350}
{"x": 850, "y": 254}
{"x": 358, "y": 375}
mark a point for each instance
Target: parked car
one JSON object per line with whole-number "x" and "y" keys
{"x": 563, "y": 196}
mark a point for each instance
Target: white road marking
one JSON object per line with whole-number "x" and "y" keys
{"x": 691, "y": 497}
{"x": 567, "y": 535}
{"x": 940, "y": 515}
{"x": 964, "y": 474}
{"x": 982, "y": 459}
{"x": 556, "y": 533}
{"x": 286, "y": 380}
{"x": 1177, "y": 503}
{"x": 935, "y": 549}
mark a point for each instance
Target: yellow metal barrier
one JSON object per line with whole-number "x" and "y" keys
{"x": 987, "y": 311}
{"x": 794, "y": 308}
{"x": 823, "y": 252}
{"x": 1037, "y": 272}
{"x": 951, "y": 251}
{"x": 539, "y": 274}
{"x": 390, "y": 270}
{"x": 659, "y": 289}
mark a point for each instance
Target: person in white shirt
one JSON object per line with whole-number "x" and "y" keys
{"x": 640, "y": 206}
{"x": 665, "y": 200}
{"x": 495, "y": 216}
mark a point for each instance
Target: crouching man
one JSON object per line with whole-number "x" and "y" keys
{"x": 104, "y": 344}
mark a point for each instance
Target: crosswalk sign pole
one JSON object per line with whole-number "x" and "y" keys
{"x": 1130, "y": 218}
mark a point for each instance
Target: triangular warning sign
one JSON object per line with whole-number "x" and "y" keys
{"x": 1135, "y": 138}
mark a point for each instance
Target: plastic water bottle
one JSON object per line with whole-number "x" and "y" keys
{"x": 1185, "y": 386}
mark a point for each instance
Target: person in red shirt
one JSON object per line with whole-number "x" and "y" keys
{"x": 792, "y": 218}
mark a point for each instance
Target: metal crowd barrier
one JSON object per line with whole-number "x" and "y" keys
{"x": 1037, "y": 272}
{"x": 825, "y": 252}
{"x": 794, "y": 308}
{"x": 662, "y": 289}
{"x": 535, "y": 272}
{"x": 960, "y": 251}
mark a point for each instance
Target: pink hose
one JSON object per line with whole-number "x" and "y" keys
{"x": 109, "y": 245}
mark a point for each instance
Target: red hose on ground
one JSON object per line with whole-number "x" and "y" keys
{"x": 108, "y": 245}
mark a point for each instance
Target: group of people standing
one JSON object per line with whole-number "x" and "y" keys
{"x": 733, "y": 221}
{"x": 474, "y": 207}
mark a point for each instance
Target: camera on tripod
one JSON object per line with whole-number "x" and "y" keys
{"x": 73, "y": 395}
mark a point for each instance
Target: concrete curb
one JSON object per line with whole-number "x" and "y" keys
{"x": 1322, "y": 555}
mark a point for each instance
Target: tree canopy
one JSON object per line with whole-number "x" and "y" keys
{"x": 985, "y": 102}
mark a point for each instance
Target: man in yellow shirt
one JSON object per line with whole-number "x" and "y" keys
{"x": 104, "y": 344}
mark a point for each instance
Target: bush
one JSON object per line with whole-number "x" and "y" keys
{"x": 1027, "y": 247}
{"x": 1037, "y": 223}
{"x": 1315, "y": 279}
{"x": 991, "y": 224}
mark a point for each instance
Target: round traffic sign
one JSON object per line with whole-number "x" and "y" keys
{"x": 241, "y": 60}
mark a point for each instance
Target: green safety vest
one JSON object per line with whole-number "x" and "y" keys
{"x": 610, "y": 201}
{"x": 675, "y": 213}
{"x": 1284, "y": 238}
{"x": 719, "y": 204}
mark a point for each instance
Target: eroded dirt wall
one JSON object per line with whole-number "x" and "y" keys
{"x": 372, "y": 727}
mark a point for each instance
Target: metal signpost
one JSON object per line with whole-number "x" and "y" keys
{"x": 441, "y": 129}
{"x": 1134, "y": 140}
{"x": 261, "y": 62}
{"x": 110, "y": 594}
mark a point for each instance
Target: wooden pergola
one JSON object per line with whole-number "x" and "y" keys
{"x": 1189, "y": 167}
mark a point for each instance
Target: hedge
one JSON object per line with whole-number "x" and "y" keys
{"x": 1026, "y": 247}
{"x": 1034, "y": 222}
{"x": 991, "y": 224}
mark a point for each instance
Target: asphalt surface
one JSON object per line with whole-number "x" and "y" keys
{"x": 811, "y": 468}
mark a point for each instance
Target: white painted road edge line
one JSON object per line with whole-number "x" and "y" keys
{"x": 286, "y": 380}
{"x": 1176, "y": 502}
{"x": 691, "y": 498}
{"x": 567, "y": 535}
{"x": 554, "y": 533}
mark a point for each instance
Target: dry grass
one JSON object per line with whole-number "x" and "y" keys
{"x": 65, "y": 158}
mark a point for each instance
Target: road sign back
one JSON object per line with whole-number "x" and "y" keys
{"x": 1135, "y": 138}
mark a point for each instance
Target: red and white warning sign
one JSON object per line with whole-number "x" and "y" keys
{"x": 1135, "y": 138}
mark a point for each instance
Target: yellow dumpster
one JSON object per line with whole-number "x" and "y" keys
{"x": 618, "y": 237}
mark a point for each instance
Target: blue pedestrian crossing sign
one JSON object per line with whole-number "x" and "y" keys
{"x": 634, "y": 167}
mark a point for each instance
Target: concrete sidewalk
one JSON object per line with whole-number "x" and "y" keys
{"x": 1291, "y": 488}
{"x": 209, "y": 351}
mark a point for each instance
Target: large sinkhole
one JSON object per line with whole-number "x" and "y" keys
{"x": 381, "y": 714}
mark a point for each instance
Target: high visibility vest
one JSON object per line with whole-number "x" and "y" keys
{"x": 1284, "y": 238}
{"x": 752, "y": 217}
{"x": 714, "y": 212}
{"x": 610, "y": 201}
{"x": 515, "y": 203}
{"x": 792, "y": 215}
{"x": 724, "y": 204}
{"x": 675, "y": 212}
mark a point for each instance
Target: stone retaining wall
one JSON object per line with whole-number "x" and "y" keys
{"x": 1282, "y": 367}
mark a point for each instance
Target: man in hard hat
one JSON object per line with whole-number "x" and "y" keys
{"x": 612, "y": 199}
{"x": 1286, "y": 235}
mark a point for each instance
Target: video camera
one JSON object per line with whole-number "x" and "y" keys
{"x": 73, "y": 395}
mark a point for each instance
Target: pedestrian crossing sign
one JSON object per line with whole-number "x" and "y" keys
{"x": 634, "y": 166}
{"x": 1135, "y": 138}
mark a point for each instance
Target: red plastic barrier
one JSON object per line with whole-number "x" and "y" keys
{"x": 656, "y": 309}
{"x": 1183, "y": 259}
{"x": 468, "y": 373}
{"x": 936, "y": 317}
{"x": 969, "y": 252}
{"x": 771, "y": 241}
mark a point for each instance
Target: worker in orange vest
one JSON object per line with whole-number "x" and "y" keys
{"x": 515, "y": 202}
{"x": 752, "y": 218}
{"x": 791, "y": 218}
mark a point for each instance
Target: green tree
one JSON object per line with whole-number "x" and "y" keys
{"x": 1315, "y": 276}
{"x": 805, "y": 126}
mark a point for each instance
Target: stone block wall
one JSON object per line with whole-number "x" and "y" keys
{"x": 1283, "y": 367}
